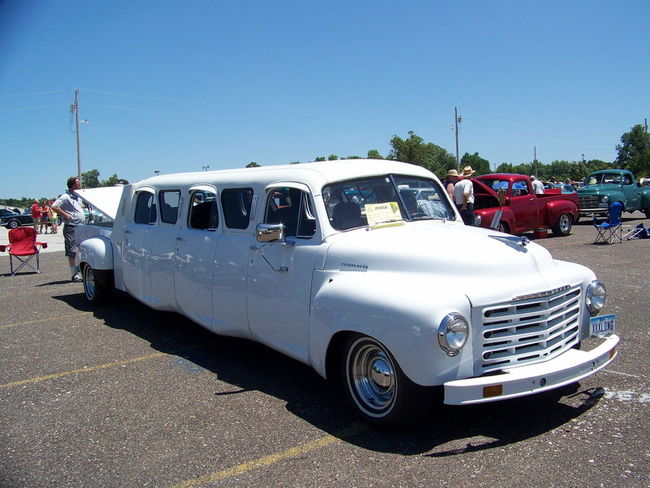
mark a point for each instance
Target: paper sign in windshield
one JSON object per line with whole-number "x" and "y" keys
{"x": 383, "y": 214}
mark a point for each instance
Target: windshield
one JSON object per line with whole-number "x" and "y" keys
{"x": 604, "y": 178}
{"x": 417, "y": 199}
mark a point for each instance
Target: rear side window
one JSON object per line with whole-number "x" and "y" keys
{"x": 169, "y": 200}
{"x": 236, "y": 204}
{"x": 145, "y": 208}
{"x": 203, "y": 214}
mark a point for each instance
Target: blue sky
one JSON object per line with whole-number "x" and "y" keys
{"x": 176, "y": 85}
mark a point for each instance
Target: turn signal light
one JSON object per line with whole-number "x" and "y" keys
{"x": 612, "y": 353}
{"x": 492, "y": 391}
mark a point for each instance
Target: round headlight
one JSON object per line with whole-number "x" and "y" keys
{"x": 595, "y": 298}
{"x": 453, "y": 333}
{"x": 477, "y": 220}
{"x": 604, "y": 198}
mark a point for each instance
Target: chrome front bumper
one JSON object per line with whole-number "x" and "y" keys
{"x": 568, "y": 368}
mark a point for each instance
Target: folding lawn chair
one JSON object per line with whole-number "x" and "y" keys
{"x": 23, "y": 247}
{"x": 638, "y": 232}
{"x": 610, "y": 230}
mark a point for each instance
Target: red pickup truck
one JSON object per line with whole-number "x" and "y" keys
{"x": 523, "y": 210}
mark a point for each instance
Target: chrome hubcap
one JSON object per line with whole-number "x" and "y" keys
{"x": 371, "y": 376}
{"x": 89, "y": 282}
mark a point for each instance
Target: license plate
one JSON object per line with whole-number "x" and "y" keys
{"x": 602, "y": 326}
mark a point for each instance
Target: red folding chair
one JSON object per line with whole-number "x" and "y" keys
{"x": 23, "y": 246}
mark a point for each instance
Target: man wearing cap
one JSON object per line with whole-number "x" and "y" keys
{"x": 464, "y": 196}
{"x": 538, "y": 186}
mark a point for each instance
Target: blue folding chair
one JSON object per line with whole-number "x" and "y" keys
{"x": 638, "y": 232}
{"x": 610, "y": 230}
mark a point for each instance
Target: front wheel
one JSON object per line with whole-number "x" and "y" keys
{"x": 97, "y": 285}
{"x": 13, "y": 224}
{"x": 376, "y": 386}
{"x": 563, "y": 225}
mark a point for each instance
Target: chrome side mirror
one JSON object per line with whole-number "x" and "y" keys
{"x": 269, "y": 232}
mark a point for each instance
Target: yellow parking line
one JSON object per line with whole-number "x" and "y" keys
{"x": 28, "y": 322}
{"x": 265, "y": 461}
{"x": 87, "y": 369}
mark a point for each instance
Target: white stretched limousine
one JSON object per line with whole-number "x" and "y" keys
{"x": 362, "y": 269}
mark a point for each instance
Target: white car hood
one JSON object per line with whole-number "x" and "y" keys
{"x": 106, "y": 198}
{"x": 483, "y": 264}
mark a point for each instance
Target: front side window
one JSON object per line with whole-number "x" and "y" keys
{"x": 169, "y": 201}
{"x": 293, "y": 209}
{"x": 204, "y": 214}
{"x": 236, "y": 204}
{"x": 145, "y": 208}
{"x": 418, "y": 199}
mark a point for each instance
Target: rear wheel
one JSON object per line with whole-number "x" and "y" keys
{"x": 376, "y": 386}
{"x": 98, "y": 285}
{"x": 563, "y": 225}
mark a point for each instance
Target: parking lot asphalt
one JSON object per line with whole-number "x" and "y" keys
{"x": 124, "y": 396}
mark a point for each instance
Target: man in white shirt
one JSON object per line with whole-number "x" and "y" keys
{"x": 71, "y": 210}
{"x": 538, "y": 186}
{"x": 464, "y": 196}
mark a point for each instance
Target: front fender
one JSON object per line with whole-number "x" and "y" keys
{"x": 96, "y": 251}
{"x": 402, "y": 311}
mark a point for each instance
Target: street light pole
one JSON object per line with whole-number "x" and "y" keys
{"x": 74, "y": 108}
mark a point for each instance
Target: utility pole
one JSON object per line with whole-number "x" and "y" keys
{"x": 457, "y": 120}
{"x": 535, "y": 160}
{"x": 74, "y": 108}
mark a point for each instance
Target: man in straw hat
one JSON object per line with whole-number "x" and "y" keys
{"x": 450, "y": 181}
{"x": 464, "y": 196}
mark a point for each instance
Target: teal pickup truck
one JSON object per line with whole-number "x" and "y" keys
{"x": 604, "y": 187}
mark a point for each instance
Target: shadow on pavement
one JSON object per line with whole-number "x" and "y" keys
{"x": 249, "y": 366}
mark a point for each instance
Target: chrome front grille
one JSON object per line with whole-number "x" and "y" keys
{"x": 528, "y": 330}
{"x": 588, "y": 201}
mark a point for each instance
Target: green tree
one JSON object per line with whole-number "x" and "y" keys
{"x": 332, "y": 157}
{"x": 110, "y": 181}
{"x": 90, "y": 179}
{"x": 319, "y": 158}
{"x": 415, "y": 150}
{"x": 252, "y": 164}
{"x": 480, "y": 165}
{"x": 374, "y": 154}
{"x": 634, "y": 151}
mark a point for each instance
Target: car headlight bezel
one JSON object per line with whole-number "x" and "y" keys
{"x": 453, "y": 333}
{"x": 595, "y": 297}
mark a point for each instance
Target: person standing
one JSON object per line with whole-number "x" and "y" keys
{"x": 51, "y": 217}
{"x": 451, "y": 178}
{"x": 36, "y": 215}
{"x": 45, "y": 209}
{"x": 538, "y": 186}
{"x": 464, "y": 196}
{"x": 71, "y": 210}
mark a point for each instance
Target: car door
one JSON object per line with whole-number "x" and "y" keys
{"x": 135, "y": 245}
{"x": 631, "y": 192}
{"x": 194, "y": 257}
{"x": 524, "y": 206}
{"x": 280, "y": 273}
{"x": 162, "y": 247}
